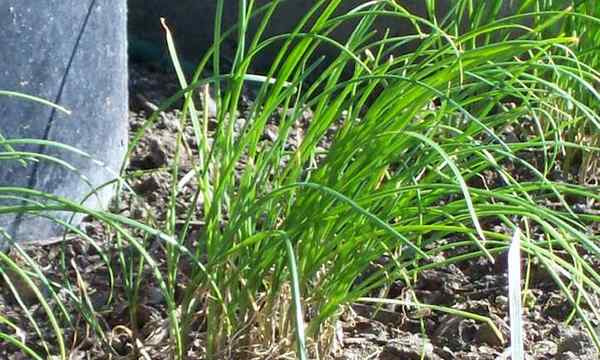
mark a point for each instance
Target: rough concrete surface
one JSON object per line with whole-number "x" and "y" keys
{"x": 72, "y": 53}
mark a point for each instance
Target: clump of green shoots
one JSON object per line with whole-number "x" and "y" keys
{"x": 391, "y": 165}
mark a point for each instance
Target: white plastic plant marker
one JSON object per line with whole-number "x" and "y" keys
{"x": 514, "y": 296}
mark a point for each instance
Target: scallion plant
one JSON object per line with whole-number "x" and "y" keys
{"x": 406, "y": 155}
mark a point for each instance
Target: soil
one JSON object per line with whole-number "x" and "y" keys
{"x": 365, "y": 331}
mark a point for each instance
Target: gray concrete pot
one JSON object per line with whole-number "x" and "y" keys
{"x": 73, "y": 53}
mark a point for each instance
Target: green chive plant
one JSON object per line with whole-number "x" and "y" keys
{"x": 448, "y": 149}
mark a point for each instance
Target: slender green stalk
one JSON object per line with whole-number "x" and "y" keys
{"x": 396, "y": 145}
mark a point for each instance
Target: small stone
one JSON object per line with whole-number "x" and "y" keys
{"x": 270, "y": 132}
{"x": 148, "y": 185}
{"x": 410, "y": 347}
{"x": 239, "y": 124}
{"x": 568, "y": 356}
{"x": 576, "y": 342}
{"x": 545, "y": 347}
{"x": 455, "y": 332}
{"x": 486, "y": 335}
{"x": 139, "y": 213}
{"x": 501, "y": 301}
{"x": 445, "y": 353}
{"x": 158, "y": 152}
{"x": 153, "y": 295}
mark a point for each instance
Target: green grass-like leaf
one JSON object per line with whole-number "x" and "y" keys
{"x": 391, "y": 163}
